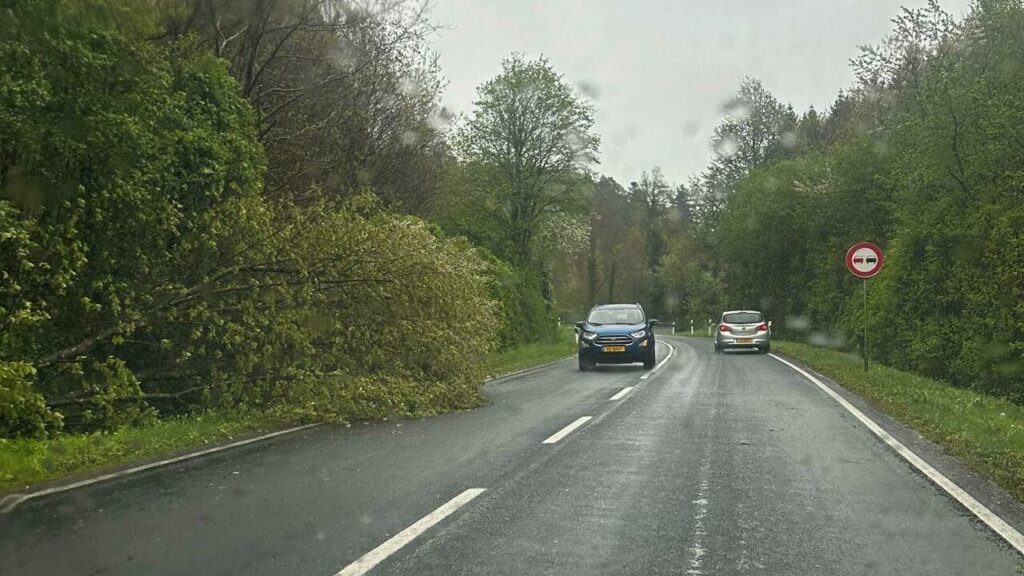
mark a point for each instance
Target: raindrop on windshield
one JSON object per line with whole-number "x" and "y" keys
{"x": 737, "y": 110}
{"x": 797, "y": 323}
{"x": 409, "y": 87}
{"x": 588, "y": 89}
{"x": 726, "y": 145}
{"x": 410, "y": 137}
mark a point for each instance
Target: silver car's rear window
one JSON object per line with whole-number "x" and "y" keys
{"x": 742, "y": 318}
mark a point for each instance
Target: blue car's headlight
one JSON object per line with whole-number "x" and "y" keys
{"x": 639, "y": 334}
{"x": 588, "y": 335}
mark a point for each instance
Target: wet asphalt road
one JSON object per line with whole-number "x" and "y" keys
{"x": 729, "y": 464}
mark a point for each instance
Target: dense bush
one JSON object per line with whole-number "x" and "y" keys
{"x": 955, "y": 291}
{"x": 23, "y": 411}
{"x": 145, "y": 272}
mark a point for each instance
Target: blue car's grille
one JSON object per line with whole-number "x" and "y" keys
{"x": 613, "y": 340}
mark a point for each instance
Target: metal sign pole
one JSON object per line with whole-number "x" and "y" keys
{"x": 865, "y": 319}
{"x": 864, "y": 260}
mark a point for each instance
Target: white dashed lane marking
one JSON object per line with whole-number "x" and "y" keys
{"x": 567, "y": 430}
{"x": 396, "y": 542}
{"x": 621, "y": 393}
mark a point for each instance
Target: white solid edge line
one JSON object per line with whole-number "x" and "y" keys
{"x": 366, "y": 563}
{"x": 12, "y": 500}
{"x": 525, "y": 371}
{"x": 565, "y": 431}
{"x": 671, "y": 351}
{"x": 997, "y": 524}
{"x": 621, "y": 393}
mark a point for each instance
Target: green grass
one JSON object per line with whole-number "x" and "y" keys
{"x": 985, "y": 432}
{"x": 532, "y": 354}
{"x": 24, "y": 462}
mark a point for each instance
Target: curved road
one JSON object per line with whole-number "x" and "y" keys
{"x": 728, "y": 464}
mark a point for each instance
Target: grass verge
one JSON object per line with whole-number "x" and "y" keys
{"x": 24, "y": 461}
{"x": 532, "y": 354}
{"x": 985, "y": 432}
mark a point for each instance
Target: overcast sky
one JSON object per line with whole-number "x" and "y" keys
{"x": 660, "y": 70}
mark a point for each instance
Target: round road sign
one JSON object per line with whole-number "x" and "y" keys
{"x": 864, "y": 259}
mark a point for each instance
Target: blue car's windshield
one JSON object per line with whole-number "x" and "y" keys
{"x": 615, "y": 316}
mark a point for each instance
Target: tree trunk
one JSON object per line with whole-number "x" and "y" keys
{"x": 592, "y": 274}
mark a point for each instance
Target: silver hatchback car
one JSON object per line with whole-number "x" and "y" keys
{"x": 743, "y": 329}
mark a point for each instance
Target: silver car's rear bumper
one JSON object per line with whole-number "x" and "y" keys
{"x": 743, "y": 341}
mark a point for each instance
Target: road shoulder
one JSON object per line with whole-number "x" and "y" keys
{"x": 977, "y": 485}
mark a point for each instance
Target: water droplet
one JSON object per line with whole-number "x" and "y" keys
{"x": 798, "y": 323}
{"x": 409, "y": 86}
{"x": 588, "y": 89}
{"x": 726, "y": 146}
{"x": 440, "y": 119}
{"x": 737, "y": 110}
{"x": 410, "y": 137}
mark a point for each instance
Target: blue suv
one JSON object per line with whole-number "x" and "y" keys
{"x": 616, "y": 334}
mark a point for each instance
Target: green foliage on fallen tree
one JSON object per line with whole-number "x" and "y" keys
{"x": 146, "y": 273}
